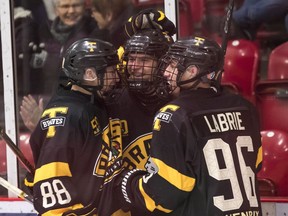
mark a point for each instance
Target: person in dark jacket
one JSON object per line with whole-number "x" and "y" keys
{"x": 73, "y": 22}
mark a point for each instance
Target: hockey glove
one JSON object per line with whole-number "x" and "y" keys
{"x": 127, "y": 183}
{"x": 149, "y": 18}
{"x": 28, "y": 182}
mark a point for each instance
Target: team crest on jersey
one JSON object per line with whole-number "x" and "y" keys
{"x": 164, "y": 116}
{"x": 56, "y": 122}
{"x": 137, "y": 152}
{"x": 109, "y": 162}
{"x": 95, "y": 126}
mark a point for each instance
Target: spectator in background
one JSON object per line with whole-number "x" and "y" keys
{"x": 249, "y": 17}
{"x": 37, "y": 7}
{"x": 112, "y": 15}
{"x": 72, "y": 23}
{"x": 25, "y": 34}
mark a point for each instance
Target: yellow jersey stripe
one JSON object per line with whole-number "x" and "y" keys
{"x": 59, "y": 212}
{"x": 174, "y": 177}
{"x": 259, "y": 157}
{"x": 51, "y": 170}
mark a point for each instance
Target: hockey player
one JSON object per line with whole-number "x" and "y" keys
{"x": 71, "y": 145}
{"x": 206, "y": 145}
{"x": 138, "y": 103}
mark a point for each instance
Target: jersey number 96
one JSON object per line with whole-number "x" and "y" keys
{"x": 229, "y": 172}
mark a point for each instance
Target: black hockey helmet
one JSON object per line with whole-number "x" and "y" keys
{"x": 204, "y": 53}
{"x": 152, "y": 43}
{"x": 142, "y": 53}
{"x": 149, "y": 41}
{"x": 88, "y": 52}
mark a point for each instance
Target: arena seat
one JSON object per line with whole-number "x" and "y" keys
{"x": 24, "y": 147}
{"x": 2, "y": 157}
{"x": 274, "y": 164}
{"x": 241, "y": 67}
{"x": 272, "y": 103}
{"x": 191, "y": 17}
{"x": 272, "y": 93}
{"x": 266, "y": 187}
{"x": 278, "y": 63}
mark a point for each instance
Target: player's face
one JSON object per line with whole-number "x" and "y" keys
{"x": 141, "y": 67}
{"x": 170, "y": 74}
{"x": 70, "y": 11}
{"x": 111, "y": 77}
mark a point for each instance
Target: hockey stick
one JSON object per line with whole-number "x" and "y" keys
{"x": 226, "y": 32}
{"x": 227, "y": 25}
{"x": 15, "y": 190}
{"x": 17, "y": 152}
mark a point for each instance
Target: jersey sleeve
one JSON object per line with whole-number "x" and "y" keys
{"x": 55, "y": 189}
{"x": 170, "y": 175}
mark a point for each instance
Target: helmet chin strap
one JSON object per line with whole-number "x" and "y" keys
{"x": 163, "y": 91}
{"x": 91, "y": 79}
{"x": 92, "y": 89}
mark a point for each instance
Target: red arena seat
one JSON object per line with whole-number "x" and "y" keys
{"x": 278, "y": 63}
{"x": 191, "y": 17}
{"x": 272, "y": 93}
{"x": 274, "y": 164}
{"x": 266, "y": 187}
{"x": 241, "y": 67}
{"x": 24, "y": 147}
{"x": 3, "y": 166}
{"x": 272, "y": 103}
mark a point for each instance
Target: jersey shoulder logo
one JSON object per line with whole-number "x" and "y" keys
{"x": 52, "y": 118}
{"x": 57, "y": 121}
{"x": 164, "y": 116}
